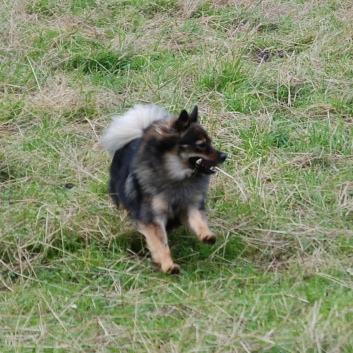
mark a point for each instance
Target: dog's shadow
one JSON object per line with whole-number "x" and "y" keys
{"x": 186, "y": 250}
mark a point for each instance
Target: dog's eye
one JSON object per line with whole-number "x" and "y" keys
{"x": 201, "y": 145}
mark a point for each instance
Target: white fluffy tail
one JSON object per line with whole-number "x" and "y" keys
{"x": 129, "y": 126}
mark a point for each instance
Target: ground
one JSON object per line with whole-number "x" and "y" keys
{"x": 274, "y": 84}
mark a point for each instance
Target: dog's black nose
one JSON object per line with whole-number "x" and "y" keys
{"x": 222, "y": 157}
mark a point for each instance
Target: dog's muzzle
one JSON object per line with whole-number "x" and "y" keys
{"x": 206, "y": 166}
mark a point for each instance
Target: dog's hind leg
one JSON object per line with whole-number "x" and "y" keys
{"x": 113, "y": 192}
{"x": 157, "y": 242}
{"x": 198, "y": 224}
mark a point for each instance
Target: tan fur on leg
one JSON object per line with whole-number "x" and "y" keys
{"x": 198, "y": 224}
{"x": 157, "y": 242}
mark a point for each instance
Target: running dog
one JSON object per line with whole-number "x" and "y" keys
{"x": 160, "y": 173}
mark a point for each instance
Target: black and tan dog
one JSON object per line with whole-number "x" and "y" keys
{"x": 160, "y": 173}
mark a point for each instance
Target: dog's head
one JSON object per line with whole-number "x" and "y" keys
{"x": 194, "y": 147}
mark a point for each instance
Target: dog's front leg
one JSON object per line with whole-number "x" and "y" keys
{"x": 157, "y": 242}
{"x": 198, "y": 224}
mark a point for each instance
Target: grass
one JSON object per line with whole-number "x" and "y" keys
{"x": 273, "y": 81}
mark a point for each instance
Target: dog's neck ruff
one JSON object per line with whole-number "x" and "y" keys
{"x": 176, "y": 170}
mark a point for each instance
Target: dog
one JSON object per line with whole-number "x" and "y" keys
{"x": 160, "y": 173}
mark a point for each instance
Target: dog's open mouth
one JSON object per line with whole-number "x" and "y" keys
{"x": 203, "y": 165}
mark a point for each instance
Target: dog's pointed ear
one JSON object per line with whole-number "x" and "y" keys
{"x": 183, "y": 121}
{"x": 194, "y": 114}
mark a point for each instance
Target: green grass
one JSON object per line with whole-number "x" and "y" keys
{"x": 273, "y": 82}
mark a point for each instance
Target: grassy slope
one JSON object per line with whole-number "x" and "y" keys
{"x": 273, "y": 81}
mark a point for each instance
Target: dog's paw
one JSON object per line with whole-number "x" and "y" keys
{"x": 173, "y": 269}
{"x": 208, "y": 239}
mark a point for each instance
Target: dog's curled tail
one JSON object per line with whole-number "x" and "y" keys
{"x": 129, "y": 126}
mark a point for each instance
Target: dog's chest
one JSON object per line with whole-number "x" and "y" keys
{"x": 181, "y": 196}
